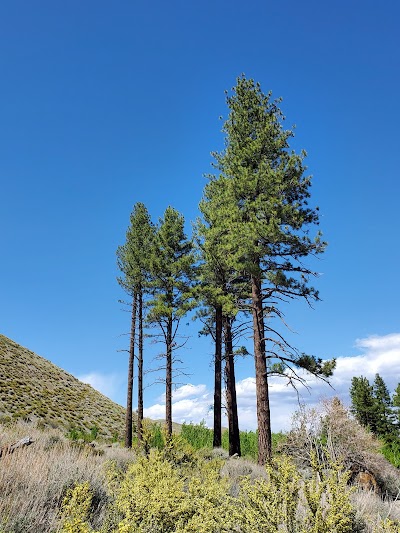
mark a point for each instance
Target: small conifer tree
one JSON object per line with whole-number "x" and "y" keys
{"x": 385, "y": 419}
{"x": 363, "y": 403}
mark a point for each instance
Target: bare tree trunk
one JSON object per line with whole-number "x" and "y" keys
{"x": 131, "y": 365}
{"x": 217, "y": 440}
{"x": 140, "y": 369}
{"x": 230, "y": 381}
{"x": 263, "y": 411}
{"x": 168, "y": 381}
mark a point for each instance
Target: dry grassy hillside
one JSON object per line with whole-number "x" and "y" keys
{"x": 32, "y": 388}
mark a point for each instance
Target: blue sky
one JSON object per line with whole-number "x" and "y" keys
{"x": 106, "y": 104}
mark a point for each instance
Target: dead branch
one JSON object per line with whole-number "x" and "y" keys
{"x": 7, "y": 450}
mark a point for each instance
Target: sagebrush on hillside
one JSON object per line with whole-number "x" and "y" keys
{"x": 32, "y": 388}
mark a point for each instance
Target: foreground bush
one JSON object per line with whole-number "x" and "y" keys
{"x": 55, "y": 486}
{"x": 157, "y": 494}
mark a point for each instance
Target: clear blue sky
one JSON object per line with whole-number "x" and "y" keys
{"x": 103, "y": 104}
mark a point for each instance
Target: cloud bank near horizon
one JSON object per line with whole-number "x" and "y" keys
{"x": 193, "y": 402}
{"x": 380, "y": 355}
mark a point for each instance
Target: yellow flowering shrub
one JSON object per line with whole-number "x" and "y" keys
{"x": 211, "y": 508}
{"x": 157, "y": 495}
{"x": 75, "y": 509}
{"x": 178, "y": 451}
{"x": 151, "y": 495}
{"x": 284, "y": 502}
{"x": 269, "y": 505}
{"x": 328, "y": 499}
{"x": 387, "y": 526}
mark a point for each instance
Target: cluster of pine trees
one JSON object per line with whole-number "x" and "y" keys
{"x": 245, "y": 260}
{"x": 375, "y": 408}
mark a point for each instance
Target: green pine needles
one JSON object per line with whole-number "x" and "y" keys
{"x": 247, "y": 260}
{"x": 375, "y": 409}
{"x": 257, "y": 222}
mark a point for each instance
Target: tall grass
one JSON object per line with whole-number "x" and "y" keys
{"x": 35, "y": 480}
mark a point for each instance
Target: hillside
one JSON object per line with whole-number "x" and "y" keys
{"x": 32, "y": 388}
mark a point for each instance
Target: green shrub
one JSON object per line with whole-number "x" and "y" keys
{"x": 79, "y": 434}
{"x": 152, "y": 436}
{"x": 391, "y": 451}
{"x": 197, "y": 435}
{"x": 200, "y": 436}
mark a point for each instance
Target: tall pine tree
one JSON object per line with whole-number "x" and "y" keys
{"x": 264, "y": 216}
{"x": 172, "y": 264}
{"x": 133, "y": 262}
{"x": 219, "y": 289}
{"x": 373, "y": 407}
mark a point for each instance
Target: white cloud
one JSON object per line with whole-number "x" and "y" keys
{"x": 246, "y": 389}
{"x": 156, "y": 411}
{"x": 190, "y": 403}
{"x": 185, "y": 391}
{"x": 381, "y": 354}
{"x": 377, "y": 342}
{"x": 188, "y": 391}
{"x": 107, "y": 384}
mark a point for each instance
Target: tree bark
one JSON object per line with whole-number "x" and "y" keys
{"x": 263, "y": 411}
{"x": 230, "y": 381}
{"x": 168, "y": 381}
{"x": 140, "y": 370}
{"x": 131, "y": 363}
{"x": 217, "y": 439}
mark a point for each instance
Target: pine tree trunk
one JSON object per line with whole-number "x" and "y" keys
{"x": 217, "y": 440}
{"x": 230, "y": 381}
{"x": 140, "y": 370}
{"x": 128, "y": 416}
{"x": 168, "y": 381}
{"x": 263, "y": 412}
